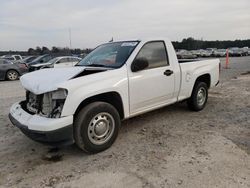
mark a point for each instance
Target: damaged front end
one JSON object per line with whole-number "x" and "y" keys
{"x": 48, "y": 105}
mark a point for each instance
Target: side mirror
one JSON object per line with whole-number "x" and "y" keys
{"x": 41, "y": 61}
{"x": 139, "y": 64}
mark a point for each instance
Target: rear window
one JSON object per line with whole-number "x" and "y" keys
{"x": 9, "y": 58}
{"x": 17, "y": 57}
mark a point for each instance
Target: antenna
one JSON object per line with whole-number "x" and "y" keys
{"x": 70, "y": 45}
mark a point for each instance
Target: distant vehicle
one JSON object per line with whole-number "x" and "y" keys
{"x": 184, "y": 54}
{"x": 196, "y": 52}
{"x": 211, "y": 49}
{"x": 12, "y": 57}
{"x": 206, "y": 53}
{"x": 40, "y": 59}
{"x": 235, "y": 52}
{"x": 220, "y": 53}
{"x": 58, "y": 62}
{"x": 83, "y": 55}
{"x": 10, "y": 70}
{"x": 27, "y": 59}
{"x": 248, "y": 52}
{"x": 244, "y": 51}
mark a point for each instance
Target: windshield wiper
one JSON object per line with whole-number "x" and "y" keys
{"x": 95, "y": 65}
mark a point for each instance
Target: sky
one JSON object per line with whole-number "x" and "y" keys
{"x": 32, "y": 23}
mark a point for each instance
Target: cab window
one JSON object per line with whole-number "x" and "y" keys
{"x": 155, "y": 53}
{"x": 17, "y": 57}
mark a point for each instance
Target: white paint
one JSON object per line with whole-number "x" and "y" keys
{"x": 46, "y": 80}
{"x": 38, "y": 123}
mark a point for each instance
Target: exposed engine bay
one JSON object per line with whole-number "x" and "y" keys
{"x": 45, "y": 100}
{"x": 48, "y": 105}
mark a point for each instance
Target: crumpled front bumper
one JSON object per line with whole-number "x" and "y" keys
{"x": 58, "y": 131}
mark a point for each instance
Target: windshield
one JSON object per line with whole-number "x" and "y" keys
{"x": 9, "y": 58}
{"x": 112, "y": 55}
{"x": 53, "y": 61}
{"x": 38, "y": 58}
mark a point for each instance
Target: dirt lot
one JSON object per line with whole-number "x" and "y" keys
{"x": 170, "y": 147}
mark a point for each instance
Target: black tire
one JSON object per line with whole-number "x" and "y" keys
{"x": 86, "y": 129}
{"x": 12, "y": 75}
{"x": 194, "y": 102}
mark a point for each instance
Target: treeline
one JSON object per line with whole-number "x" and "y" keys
{"x": 187, "y": 44}
{"x": 193, "y": 44}
{"x": 44, "y": 50}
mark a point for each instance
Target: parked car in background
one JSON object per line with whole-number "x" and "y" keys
{"x": 40, "y": 59}
{"x": 27, "y": 59}
{"x": 235, "y": 52}
{"x": 196, "y": 52}
{"x": 220, "y": 53}
{"x": 244, "y": 51}
{"x": 248, "y": 52}
{"x": 10, "y": 70}
{"x": 12, "y": 58}
{"x": 83, "y": 55}
{"x": 206, "y": 53}
{"x": 184, "y": 54}
{"x": 212, "y": 52}
{"x": 57, "y": 62}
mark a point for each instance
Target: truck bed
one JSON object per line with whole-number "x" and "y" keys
{"x": 188, "y": 60}
{"x": 191, "y": 69}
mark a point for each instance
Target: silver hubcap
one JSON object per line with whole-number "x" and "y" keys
{"x": 101, "y": 128}
{"x": 12, "y": 75}
{"x": 201, "y": 96}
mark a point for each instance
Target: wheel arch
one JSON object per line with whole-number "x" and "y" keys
{"x": 206, "y": 78}
{"x": 11, "y": 70}
{"x": 112, "y": 98}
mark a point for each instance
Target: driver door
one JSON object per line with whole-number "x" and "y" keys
{"x": 153, "y": 86}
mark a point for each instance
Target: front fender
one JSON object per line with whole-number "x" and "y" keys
{"x": 82, "y": 88}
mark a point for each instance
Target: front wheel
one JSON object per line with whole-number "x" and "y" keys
{"x": 96, "y": 127}
{"x": 199, "y": 97}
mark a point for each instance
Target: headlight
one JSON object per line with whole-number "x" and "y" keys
{"x": 52, "y": 103}
{"x": 59, "y": 94}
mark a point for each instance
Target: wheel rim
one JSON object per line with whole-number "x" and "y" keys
{"x": 201, "y": 96}
{"x": 101, "y": 128}
{"x": 12, "y": 75}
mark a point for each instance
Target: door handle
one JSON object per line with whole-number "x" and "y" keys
{"x": 168, "y": 72}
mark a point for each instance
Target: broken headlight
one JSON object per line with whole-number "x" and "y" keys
{"x": 52, "y": 103}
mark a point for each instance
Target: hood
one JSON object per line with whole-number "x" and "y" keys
{"x": 46, "y": 80}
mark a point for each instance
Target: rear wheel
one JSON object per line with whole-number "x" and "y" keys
{"x": 96, "y": 127}
{"x": 12, "y": 75}
{"x": 199, "y": 97}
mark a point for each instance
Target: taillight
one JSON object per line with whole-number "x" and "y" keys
{"x": 23, "y": 65}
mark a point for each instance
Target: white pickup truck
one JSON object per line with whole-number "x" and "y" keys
{"x": 118, "y": 80}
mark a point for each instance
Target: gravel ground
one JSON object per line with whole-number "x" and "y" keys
{"x": 170, "y": 147}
